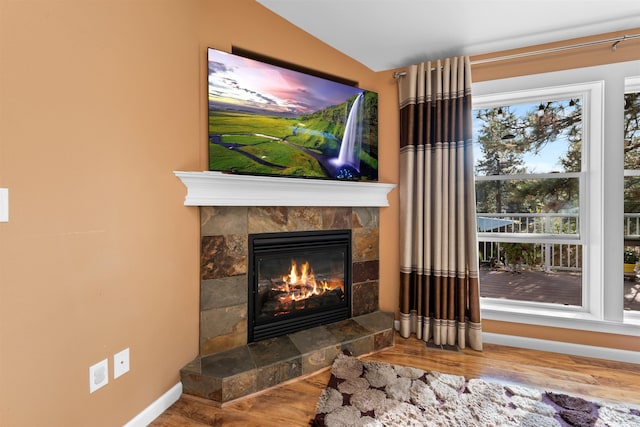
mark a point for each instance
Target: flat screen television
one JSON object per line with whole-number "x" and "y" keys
{"x": 270, "y": 120}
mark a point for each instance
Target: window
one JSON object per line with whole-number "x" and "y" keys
{"x": 528, "y": 161}
{"x": 561, "y": 217}
{"x": 631, "y": 194}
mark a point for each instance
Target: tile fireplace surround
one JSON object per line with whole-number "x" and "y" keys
{"x": 231, "y": 208}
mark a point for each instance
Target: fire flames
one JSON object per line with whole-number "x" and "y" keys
{"x": 299, "y": 285}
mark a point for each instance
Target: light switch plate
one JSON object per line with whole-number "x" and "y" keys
{"x": 121, "y": 363}
{"x": 4, "y": 205}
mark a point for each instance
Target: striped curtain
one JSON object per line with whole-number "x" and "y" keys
{"x": 439, "y": 290}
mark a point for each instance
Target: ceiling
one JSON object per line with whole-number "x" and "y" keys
{"x": 387, "y": 34}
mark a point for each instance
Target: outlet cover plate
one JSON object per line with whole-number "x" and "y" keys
{"x": 121, "y": 363}
{"x": 98, "y": 375}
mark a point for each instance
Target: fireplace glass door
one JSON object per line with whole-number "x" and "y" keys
{"x": 298, "y": 280}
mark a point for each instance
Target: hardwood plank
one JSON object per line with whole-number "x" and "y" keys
{"x": 293, "y": 403}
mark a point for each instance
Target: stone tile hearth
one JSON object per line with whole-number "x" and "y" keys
{"x": 244, "y": 370}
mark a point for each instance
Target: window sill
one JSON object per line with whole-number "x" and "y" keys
{"x": 632, "y": 318}
{"x": 558, "y": 318}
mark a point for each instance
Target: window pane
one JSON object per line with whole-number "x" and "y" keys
{"x": 540, "y": 137}
{"x": 631, "y": 201}
{"x": 541, "y": 272}
{"x": 543, "y": 138}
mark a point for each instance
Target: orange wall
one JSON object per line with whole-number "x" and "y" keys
{"x": 628, "y": 50}
{"x": 99, "y": 102}
{"x": 389, "y": 139}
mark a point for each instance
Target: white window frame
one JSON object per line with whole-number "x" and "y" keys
{"x": 600, "y": 210}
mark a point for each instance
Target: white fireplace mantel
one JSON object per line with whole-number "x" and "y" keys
{"x": 221, "y": 189}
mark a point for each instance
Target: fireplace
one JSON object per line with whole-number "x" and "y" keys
{"x": 234, "y": 207}
{"x": 228, "y": 367}
{"x": 297, "y": 280}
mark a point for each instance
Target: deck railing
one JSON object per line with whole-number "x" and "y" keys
{"x": 545, "y": 241}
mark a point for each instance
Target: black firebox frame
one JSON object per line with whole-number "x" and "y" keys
{"x": 265, "y": 244}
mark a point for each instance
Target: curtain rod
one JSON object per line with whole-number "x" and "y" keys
{"x": 615, "y": 42}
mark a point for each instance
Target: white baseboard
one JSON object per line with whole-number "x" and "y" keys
{"x": 562, "y": 347}
{"x": 156, "y": 408}
{"x": 557, "y": 347}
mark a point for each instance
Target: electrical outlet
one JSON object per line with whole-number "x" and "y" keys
{"x": 98, "y": 375}
{"x": 121, "y": 363}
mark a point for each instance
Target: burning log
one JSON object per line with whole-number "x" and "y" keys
{"x": 298, "y": 290}
{"x": 282, "y": 303}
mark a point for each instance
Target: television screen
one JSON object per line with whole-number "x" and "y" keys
{"x": 269, "y": 120}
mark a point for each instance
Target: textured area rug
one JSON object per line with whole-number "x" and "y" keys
{"x": 380, "y": 394}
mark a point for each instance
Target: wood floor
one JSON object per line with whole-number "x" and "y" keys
{"x": 293, "y": 403}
